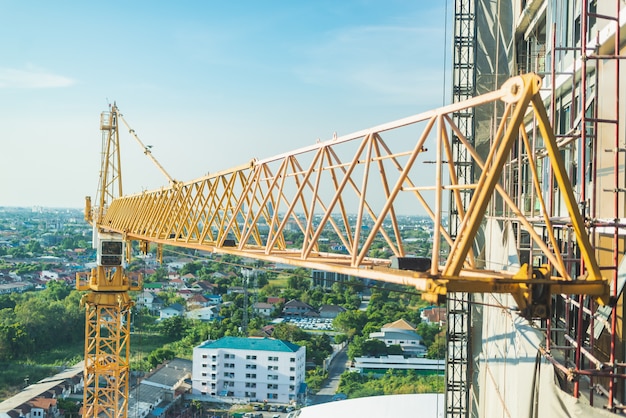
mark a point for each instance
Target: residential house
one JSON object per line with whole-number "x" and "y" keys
{"x": 330, "y": 311}
{"x": 202, "y": 286}
{"x": 296, "y": 308}
{"x": 189, "y": 278}
{"x": 42, "y": 407}
{"x": 179, "y": 263}
{"x": 153, "y": 287}
{"x": 149, "y": 300}
{"x": 177, "y": 283}
{"x": 434, "y": 315}
{"x": 185, "y": 293}
{"x": 251, "y": 369}
{"x": 208, "y": 313}
{"x": 401, "y": 333}
{"x": 197, "y": 301}
{"x": 175, "y": 309}
{"x": 275, "y": 300}
{"x": 214, "y": 299}
{"x": 235, "y": 289}
{"x": 263, "y": 308}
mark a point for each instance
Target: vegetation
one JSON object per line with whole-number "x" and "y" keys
{"x": 40, "y": 322}
{"x": 315, "y": 379}
{"x": 357, "y": 385}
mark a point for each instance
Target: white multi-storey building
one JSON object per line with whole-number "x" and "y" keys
{"x": 257, "y": 369}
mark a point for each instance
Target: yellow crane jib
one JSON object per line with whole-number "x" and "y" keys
{"x": 345, "y": 196}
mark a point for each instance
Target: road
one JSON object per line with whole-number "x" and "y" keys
{"x": 337, "y": 367}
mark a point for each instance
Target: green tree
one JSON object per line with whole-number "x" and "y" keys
{"x": 160, "y": 355}
{"x": 69, "y": 407}
{"x": 427, "y": 332}
{"x": 299, "y": 282}
{"x": 437, "y": 350}
{"x": 350, "y": 322}
{"x": 174, "y": 328}
{"x": 288, "y": 332}
{"x": 192, "y": 268}
{"x": 57, "y": 290}
{"x": 315, "y": 378}
{"x": 34, "y": 247}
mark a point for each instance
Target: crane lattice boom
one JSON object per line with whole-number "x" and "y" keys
{"x": 350, "y": 192}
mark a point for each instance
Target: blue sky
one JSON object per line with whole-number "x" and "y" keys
{"x": 208, "y": 84}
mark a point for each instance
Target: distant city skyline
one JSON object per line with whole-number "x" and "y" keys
{"x": 208, "y": 85}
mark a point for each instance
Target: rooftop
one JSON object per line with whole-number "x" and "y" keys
{"x": 258, "y": 344}
{"x": 400, "y": 324}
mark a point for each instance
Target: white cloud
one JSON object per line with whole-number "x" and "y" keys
{"x": 32, "y": 79}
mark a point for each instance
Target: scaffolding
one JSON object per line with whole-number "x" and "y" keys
{"x": 582, "y": 77}
{"x": 458, "y": 304}
{"x": 575, "y": 47}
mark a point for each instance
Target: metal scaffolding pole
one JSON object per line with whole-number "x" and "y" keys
{"x": 458, "y": 304}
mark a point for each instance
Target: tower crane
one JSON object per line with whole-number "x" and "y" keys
{"x": 349, "y": 190}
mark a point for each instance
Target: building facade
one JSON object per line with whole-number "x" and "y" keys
{"x": 577, "y": 48}
{"x": 255, "y": 369}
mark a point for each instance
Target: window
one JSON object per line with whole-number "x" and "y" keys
{"x": 292, "y": 369}
{"x": 203, "y": 374}
{"x": 204, "y": 365}
{"x": 272, "y": 386}
{"x": 250, "y": 395}
{"x": 292, "y": 387}
{"x": 250, "y": 384}
{"x": 227, "y": 356}
{"x": 272, "y": 396}
{"x": 229, "y": 374}
{"x": 205, "y": 356}
{"x": 250, "y": 357}
{"x": 292, "y": 378}
{"x": 250, "y": 375}
{"x": 272, "y": 368}
{"x": 272, "y": 377}
{"x": 203, "y": 383}
{"x": 292, "y": 360}
{"x": 251, "y": 366}
{"x": 270, "y": 358}
{"x": 229, "y": 365}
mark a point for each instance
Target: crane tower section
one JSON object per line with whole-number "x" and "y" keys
{"x": 107, "y": 301}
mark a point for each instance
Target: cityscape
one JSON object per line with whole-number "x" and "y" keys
{"x": 194, "y": 300}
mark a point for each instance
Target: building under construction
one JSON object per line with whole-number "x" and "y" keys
{"x": 573, "y": 363}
